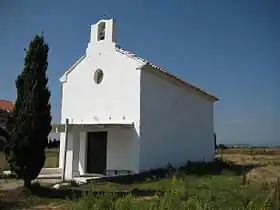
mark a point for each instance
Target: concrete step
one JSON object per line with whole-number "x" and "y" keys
{"x": 49, "y": 171}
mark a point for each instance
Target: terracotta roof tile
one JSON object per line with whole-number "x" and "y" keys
{"x": 6, "y": 105}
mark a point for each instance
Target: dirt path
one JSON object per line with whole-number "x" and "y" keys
{"x": 48, "y": 206}
{"x": 10, "y": 184}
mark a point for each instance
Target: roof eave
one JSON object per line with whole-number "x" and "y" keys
{"x": 193, "y": 87}
{"x": 63, "y": 78}
{"x": 206, "y": 94}
{"x": 145, "y": 63}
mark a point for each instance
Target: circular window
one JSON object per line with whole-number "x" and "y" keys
{"x": 98, "y": 76}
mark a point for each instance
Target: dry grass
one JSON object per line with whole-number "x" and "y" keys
{"x": 266, "y": 160}
{"x": 235, "y": 180}
{"x": 251, "y": 151}
{"x": 52, "y": 157}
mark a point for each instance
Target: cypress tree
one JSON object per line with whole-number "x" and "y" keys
{"x": 30, "y": 122}
{"x": 3, "y": 133}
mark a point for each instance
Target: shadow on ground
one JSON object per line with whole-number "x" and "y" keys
{"x": 191, "y": 168}
{"x": 73, "y": 193}
{"x": 13, "y": 198}
{"x": 21, "y": 197}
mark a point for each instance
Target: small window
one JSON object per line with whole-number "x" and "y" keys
{"x": 101, "y": 31}
{"x": 98, "y": 76}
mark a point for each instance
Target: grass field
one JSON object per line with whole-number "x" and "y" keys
{"x": 51, "y": 159}
{"x": 238, "y": 179}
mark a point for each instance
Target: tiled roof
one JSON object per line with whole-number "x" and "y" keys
{"x": 169, "y": 74}
{"x": 6, "y": 105}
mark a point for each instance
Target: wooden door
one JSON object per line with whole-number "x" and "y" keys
{"x": 96, "y": 152}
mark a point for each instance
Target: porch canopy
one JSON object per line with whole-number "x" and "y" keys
{"x": 72, "y": 155}
{"x": 61, "y": 127}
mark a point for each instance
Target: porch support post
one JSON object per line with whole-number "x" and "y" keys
{"x": 72, "y": 155}
{"x": 76, "y": 154}
{"x": 65, "y": 150}
{"x": 69, "y": 169}
{"x": 82, "y": 153}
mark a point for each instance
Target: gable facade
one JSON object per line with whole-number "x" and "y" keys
{"x": 115, "y": 98}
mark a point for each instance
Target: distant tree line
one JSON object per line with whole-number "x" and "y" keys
{"x": 53, "y": 143}
{"x": 221, "y": 146}
{"x": 218, "y": 146}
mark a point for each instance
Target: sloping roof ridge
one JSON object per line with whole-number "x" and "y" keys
{"x": 130, "y": 54}
{"x": 63, "y": 77}
{"x": 161, "y": 70}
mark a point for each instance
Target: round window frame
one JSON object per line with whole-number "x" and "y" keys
{"x": 97, "y": 74}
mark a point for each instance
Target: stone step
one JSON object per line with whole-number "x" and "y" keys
{"x": 46, "y": 171}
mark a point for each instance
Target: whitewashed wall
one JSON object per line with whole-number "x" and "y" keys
{"x": 122, "y": 150}
{"x": 176, "y": 124}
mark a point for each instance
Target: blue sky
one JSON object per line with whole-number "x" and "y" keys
{"x": 229, "y": 48}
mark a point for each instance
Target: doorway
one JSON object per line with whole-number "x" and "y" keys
{"x": 96, "y": 152}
